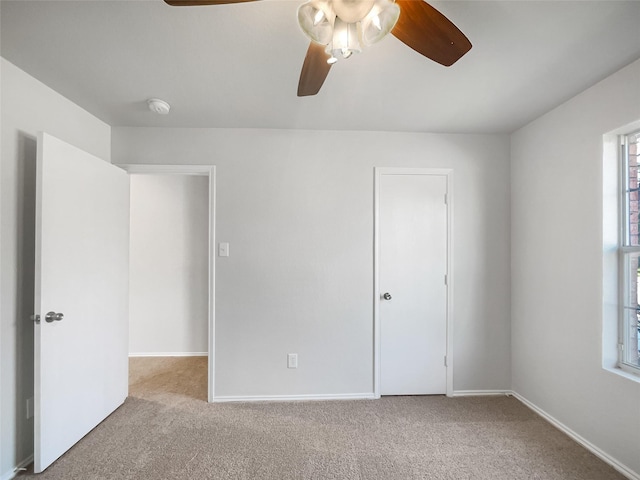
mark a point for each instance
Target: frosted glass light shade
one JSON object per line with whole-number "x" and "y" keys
{"x": 345, "y": 39}
{"x": 316, "y": 20}
{"x": 380, "y": 21}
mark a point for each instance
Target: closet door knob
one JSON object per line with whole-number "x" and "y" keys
{"x": 53, "y": 317}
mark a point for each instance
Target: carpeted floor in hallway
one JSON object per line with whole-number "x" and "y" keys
{"x": 166, "y": 430}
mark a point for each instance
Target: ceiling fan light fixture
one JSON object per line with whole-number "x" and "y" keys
{"x": 379, "y": 21}
{"x": 345, "y": 25}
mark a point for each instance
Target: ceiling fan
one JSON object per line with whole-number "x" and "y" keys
{"x": 338, "y": 28}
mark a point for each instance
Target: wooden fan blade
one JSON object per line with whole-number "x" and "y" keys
{"x": 191, "y": 3}
{"x": 430, "y": 33}
{"x": 314, "y": 70}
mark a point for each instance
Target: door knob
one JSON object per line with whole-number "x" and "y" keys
{"x": 53, "y": 316}
{"x": 386, "y": 296}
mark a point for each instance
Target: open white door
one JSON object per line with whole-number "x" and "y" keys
{"x": 82, "y": 245}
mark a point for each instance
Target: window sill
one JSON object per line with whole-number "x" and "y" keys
{"x": 623, "y": 373}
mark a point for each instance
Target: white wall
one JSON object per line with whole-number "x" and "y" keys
{"x": 297, "y": 209}
{"x": 557, "y": 268}
{"x": 169, "y": 263}
{"x": 27, "y": 107}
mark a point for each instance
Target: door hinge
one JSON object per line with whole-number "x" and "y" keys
{"x": 445, "y": 199}
{"x": 621, "y": 347}
{"x": 446, "y": 280}
{"x": 445, "y": 361}
{"x": 35, "y": 318}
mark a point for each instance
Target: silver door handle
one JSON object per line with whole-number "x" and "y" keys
{"x": 53, "y": 316}
{"x": 386, "y": 296}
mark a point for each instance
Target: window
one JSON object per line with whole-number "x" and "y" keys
{"x": 630, "y": 254}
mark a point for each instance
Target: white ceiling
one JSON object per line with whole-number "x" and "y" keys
{"x": 238, "y": 65}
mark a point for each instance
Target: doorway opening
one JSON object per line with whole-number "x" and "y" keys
{"x": 171, "y": 283}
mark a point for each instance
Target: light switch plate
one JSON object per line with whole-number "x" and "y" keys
{"x": 292, "y": 360}
{"x": 223, "y": 249}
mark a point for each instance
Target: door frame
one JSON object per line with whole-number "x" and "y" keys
{"x": 210, "y": 172}
{"x": 447, "y": 173}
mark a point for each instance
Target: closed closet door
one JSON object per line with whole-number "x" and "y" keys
{"x": 412, "y": 270}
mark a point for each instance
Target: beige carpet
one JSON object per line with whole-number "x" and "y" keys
{"x": 168, "y": 380}
{"x": 166, "y": 430}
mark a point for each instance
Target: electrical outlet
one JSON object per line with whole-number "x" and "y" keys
{"x": 292, "y": 360}
{"x": 29, "y": 408}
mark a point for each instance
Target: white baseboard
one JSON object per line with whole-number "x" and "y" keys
{"x": 623, "y": 469}
{"x": 292, "y": 398}
{"x": 169, "y": 354}
{"x": 24, "y": 463}
{"x": 480, "y": 393}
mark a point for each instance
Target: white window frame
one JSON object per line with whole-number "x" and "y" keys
{"x": 625, "y": 252}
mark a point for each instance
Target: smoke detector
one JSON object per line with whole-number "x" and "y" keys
{"x": 158, "y": 106}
